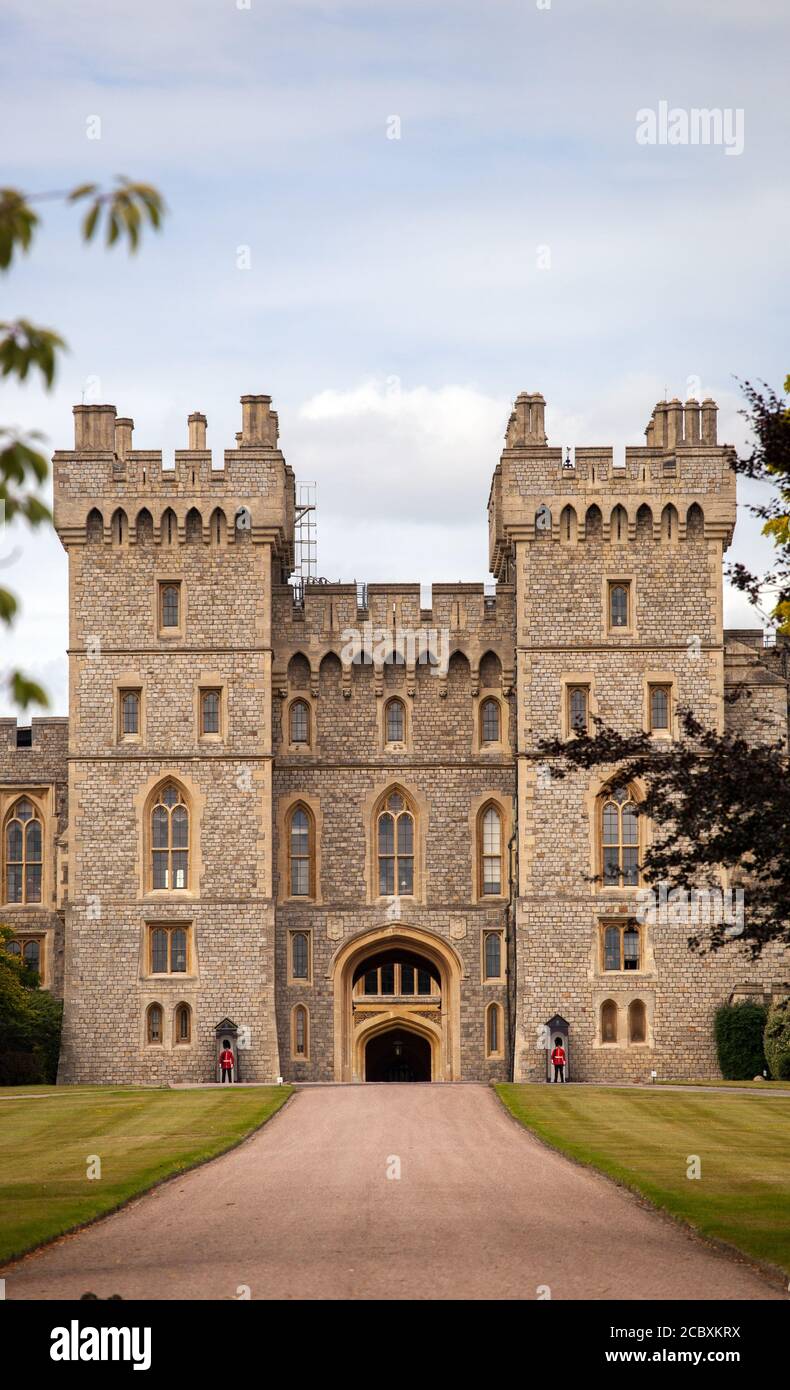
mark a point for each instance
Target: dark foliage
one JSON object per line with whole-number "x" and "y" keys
{"x": 715, "y": 800}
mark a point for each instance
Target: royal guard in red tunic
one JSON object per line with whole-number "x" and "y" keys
{"x": 226, "y": 1061}
{"x": 558, "y": 1060}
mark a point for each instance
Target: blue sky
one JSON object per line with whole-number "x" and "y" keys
{"x": 394, "y": 304}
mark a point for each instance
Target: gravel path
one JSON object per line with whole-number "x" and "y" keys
{"x": 306, "y": 1209}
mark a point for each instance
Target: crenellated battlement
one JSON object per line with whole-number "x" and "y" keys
{"x": 108, "y": 490}
{"x": 681, "y": 466}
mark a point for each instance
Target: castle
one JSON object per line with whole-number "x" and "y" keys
{"x": 320, "y": 814}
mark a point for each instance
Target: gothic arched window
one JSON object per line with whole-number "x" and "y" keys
{"x": 619, "y": 839}
{"x": 489, "y": 721}
{"x": 395, "y": 846}
{"x": 22, "y": 853}
{"x": 299, "y": 717}
{"x": 300, "y": 852}
{"x": 494, "y": 1040}
{"x": 153, "y": 1024}
{"x": 300, "y": 1034}
{"x": 489, "y": 843}
{"x": 395, "y": 721}
{"x": 183, "y": 1024}
{"x": 169, "y": 839}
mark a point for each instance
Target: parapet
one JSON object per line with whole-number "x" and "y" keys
{"x": 680, "y": 465}
{"x": 104, "y": 476}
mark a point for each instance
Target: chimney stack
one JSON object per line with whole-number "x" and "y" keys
{"x": 650, "y": 432}
{"x": 660, "y": 425}
{"x": 527, "y": 421}
{"x": 691, "y": 422}
{"x": 674, "y": 423}
{"x": 197, "y": 430}
{"x": 256, "y": 422}
{"x": 94, "y": 428}
{"x": 709, "y": 431}
{"x": 123, "y": 436}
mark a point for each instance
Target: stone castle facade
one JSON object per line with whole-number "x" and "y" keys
{"x": 321, "y": 813}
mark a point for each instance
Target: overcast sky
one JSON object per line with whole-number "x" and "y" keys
{"x": 401, "y": 292}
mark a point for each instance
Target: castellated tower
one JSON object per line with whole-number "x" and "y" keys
{"x": 169, "y": 918}
{"x": 617, "y": 564}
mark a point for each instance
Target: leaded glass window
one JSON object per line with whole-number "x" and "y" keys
{"x": 491, "y": 851}
{"x": 170, "y": 840}
{"x": 619, "y": 841}
{"x": 396, "y": 719}
{"x": 23, "y": 842}
{"x": 489, "y": 718}
{"x": 395, "y": 845}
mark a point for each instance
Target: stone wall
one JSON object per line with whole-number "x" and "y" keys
{"x": 41, "y": 771}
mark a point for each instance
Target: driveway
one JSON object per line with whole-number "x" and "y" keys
{"x": 307, "y": 1208}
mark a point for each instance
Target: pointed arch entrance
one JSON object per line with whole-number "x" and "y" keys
{"x": 397, "y": 993}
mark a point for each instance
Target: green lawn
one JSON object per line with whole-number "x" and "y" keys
{"x": 749, "y": 1085}
{"x": 141, "y": 1136}
{"x": 644, "y": 1137}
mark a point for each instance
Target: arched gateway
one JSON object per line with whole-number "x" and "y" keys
{"x": 397, "y": 993}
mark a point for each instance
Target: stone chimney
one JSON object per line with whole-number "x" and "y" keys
{"x": 660, "y": 425}
{"x": 197, "y": 430}
{"x": 709, "y": 431}
{"x": 691, "y": 422}
{"x": 527, "y": 421}
{"x": 674, "y": 423}
{"x": 650, "y": 432}
{"x": 258, "y": 423}
{"x": 94, "y": 428}
{"x": 123, "y": 436}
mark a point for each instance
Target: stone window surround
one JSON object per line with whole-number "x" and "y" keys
{"x": 286, "y": 805}
{"x": 211, "y": 681}
{"x": 144, "y": 800}
{"x": 161, "y": 582}
{"x": 492, "y": 979}
{"x": 504, "y": 805}
{"x": 300, "y": 1056}
{"x": 169, "y": 924}
{"x": 403, "y": 745}
{"x": 495, "y": 1056}
{"x": 611, "y": 579}
{"x": 43, "y": 798}
{"x": 502, "y": 746}
{"x": 128, "y": 683}
{"x": 568, "y": 680}
{"x": 311, "y": 747}
{"x": 168, "y": 1041}
{"x": 623, "y": 998}
{"x": 291, "y": 979}
{"x": 664, "y": 678}
{"x": 371, "y": 809}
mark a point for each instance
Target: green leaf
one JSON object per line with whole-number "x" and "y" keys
{"x": 8, "y": 606}
{"x": 27, "y": 346}
{"x": 17, "y": 224}
{"x": 91, "y": 218}
{"x": 25, "y": 692}
{"x": 82, "y": 190}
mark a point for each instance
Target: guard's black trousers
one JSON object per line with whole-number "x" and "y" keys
{"x": 559, "y": 1072}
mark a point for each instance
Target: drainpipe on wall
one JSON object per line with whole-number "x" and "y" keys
{"x": 510, "y": 940}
